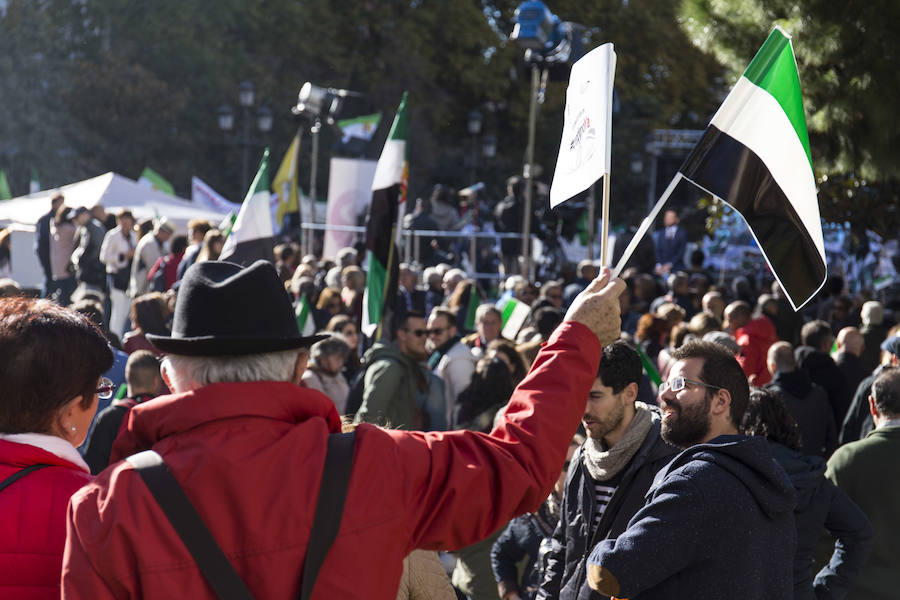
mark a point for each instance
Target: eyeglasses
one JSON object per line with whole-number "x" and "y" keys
{"x": 416, "y": 332}
{"x": 676, "y": 384}
{"x": 106, "y": 389}
{"x": 436, "y": 331}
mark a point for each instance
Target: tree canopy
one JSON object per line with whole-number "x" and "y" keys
{"x": 92, "y": 86}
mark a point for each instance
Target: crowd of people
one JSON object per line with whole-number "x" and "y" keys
{"x": 711, "y": 443}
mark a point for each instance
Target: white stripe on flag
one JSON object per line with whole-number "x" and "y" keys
{"x": 776, "y": 144}
{"x": 391, "y": 164}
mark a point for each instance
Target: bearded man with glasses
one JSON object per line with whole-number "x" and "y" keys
{"x": 718, "y": 522}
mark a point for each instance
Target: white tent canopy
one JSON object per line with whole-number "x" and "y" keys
{"x": 113, "y": 191}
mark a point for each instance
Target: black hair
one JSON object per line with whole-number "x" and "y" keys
{"x": 768, "y": 416}
{"x": 815, "y": 332}
{"x": 720, "y": 369}
{"x": 619, "y": 366}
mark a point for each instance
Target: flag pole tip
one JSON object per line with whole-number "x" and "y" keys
{"x": 782, "y": 31}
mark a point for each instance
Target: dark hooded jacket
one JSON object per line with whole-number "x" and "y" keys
{"x": 821, "y": 504}
{"x": 566, "y": 573}
{"x": 718, "y": 523}
{"x": 821, "y": 370}
{"x": 808, "y": 404}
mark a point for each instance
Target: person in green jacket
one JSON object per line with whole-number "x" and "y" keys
{"x": 396, "y": 387}
{"x": 868, "y": 470}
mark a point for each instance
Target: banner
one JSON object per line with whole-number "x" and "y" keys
{"x": 349, "y": 194}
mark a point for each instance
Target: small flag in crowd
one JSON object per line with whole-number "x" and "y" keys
{"x": 513, "y": 316}
{"x": 151, "y": 178}
{"x": 584, "y": 151}
{"x": 34, "y": 185}
{"x": 649, "y": 367}
{"x": 388, "y": 196}
{"x": 5, "y": 194}
{"x": 472, "y": 306}
{"x": 303, "y": 312}
{"x": 362, "y": 127}
{"x": 285, "y": 183}
{"x": 252, "y": 237}
{"x": 755, "y": 156}
{"x": 204, "y": 195}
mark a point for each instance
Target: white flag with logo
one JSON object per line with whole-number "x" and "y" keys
{"x": 584, "y": 152}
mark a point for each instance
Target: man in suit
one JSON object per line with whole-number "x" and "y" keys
{"x": 671, "y": 242}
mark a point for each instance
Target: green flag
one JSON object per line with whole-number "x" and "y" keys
{"x": 4, "y": 186}
{"x": 472, "y": 307}
{"x": 156, "y": 181}
{"x": 388, "y": 196}
{"x": 649, "y": 367}
{"x": 303, "y": 312}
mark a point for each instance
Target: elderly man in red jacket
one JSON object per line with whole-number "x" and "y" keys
{"x": 248, "y": 446}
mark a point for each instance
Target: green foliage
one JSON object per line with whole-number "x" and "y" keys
{"x": 846, "y": 55}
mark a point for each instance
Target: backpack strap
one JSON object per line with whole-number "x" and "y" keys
{"x": 216, "y": 569}
{"x": 19, "y": 475}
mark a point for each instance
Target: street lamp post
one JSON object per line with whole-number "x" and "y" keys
{"x": 473, "y": 124}
{"x": 246, "y": 100}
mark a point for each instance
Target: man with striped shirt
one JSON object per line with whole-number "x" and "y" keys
{"x": 609, "y": 474}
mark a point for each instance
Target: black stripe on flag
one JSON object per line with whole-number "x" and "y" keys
{"x": 726, "y": 168}
{"x": 248, "y": 252}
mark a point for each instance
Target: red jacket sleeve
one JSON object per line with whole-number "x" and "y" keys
{"x": 458, "y": 487}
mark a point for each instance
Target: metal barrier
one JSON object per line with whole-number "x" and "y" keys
{"x": 412, "y": 237}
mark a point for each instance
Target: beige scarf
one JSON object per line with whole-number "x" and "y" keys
{"x": 605, "y": 464}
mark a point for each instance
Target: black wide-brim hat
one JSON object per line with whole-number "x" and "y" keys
{"x": 224, "y": 309}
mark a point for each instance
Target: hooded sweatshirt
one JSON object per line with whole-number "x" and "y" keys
{"x": 808, "y": 404}
{"x": 718, "y": 523}
{"x": 821, "y": 504}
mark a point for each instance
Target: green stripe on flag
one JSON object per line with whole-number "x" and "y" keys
{"x": 775, "y": 70}
{"x": 122, "y": 391}
{"x": 302, "y": 313}
{"x": 5, "y": 194}
{"x": 649, "y": 367}
{"x": 508, "y": 309}
{"x": 376, "y": 278}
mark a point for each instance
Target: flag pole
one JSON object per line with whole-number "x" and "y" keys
{"x": 387, "y": 283}
{"x": 604, "y": 227}
{"x": 645, "y": 225}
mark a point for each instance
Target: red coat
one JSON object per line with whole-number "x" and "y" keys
{"x": 33, "y": 521}
{"x": 250, "y": 457}
{"x": 755, "y": 338}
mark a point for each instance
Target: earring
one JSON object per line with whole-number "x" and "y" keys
{"x": 74, "y": 428}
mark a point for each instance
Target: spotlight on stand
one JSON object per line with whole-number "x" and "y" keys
{"x": 550, "y": 46}
{"x": 317, "y": 103}
{"x": 535, "y": 26}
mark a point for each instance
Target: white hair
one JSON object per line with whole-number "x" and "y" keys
{"x": 192, "y": 372}
{"x": 872, "y": 313}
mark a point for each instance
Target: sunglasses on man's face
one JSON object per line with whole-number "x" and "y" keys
{"x": 416, "y": 332}
{"x": 437, "y": 331}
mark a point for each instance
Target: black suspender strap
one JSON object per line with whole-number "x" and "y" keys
{"x": 19, "y": 475}
{"x": 210, "y": 559}
{"x": 329, "y": 507}
{"x": 218, "y": 572}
